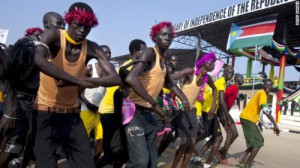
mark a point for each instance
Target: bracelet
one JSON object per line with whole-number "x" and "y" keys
{"x": 38, "y": 43}
{"x": 12, "y": 118}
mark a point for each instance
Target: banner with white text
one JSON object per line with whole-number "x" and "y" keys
{"x": 229, "y": 12}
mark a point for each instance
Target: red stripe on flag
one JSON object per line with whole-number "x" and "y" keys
{"x": 258, "y": 29}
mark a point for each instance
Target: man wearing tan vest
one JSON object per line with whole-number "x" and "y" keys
{"x": 62, "y": 57}
{"x": 147, "y": 78}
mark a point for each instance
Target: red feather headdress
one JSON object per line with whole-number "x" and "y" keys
{"x": 156, "y": 28}
{"x": 30, "y": 31}
{"x": 83, "y": 16}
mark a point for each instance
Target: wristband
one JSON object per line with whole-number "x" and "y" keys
{"x": 38, "y": 43}
{"x": 12, "y": 118}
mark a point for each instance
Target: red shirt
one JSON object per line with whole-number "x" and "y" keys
{"x": 231, "y": 93}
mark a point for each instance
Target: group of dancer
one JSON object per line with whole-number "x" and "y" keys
{"x": 53, "y": 98}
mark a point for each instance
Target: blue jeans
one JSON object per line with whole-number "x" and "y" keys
{"x": 142, "y": 139}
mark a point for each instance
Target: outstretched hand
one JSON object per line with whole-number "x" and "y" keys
{"x": 276, "y": 130}
{"x": 158, "y": 109}
{"x": 186, "y": 105}
{"x": 92, "y": 107}
{"x": 210, "y": 115}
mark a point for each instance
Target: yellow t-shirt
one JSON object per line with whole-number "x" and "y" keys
{"x": 166, "y": 90}
{"x": 208, "y": 96}
{"x": 106, "y": 106}
{"x": 252, "y": 110}
{"x": 198, "y": 106}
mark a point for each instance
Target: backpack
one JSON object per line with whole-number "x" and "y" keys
{"x": 23, "y": 71}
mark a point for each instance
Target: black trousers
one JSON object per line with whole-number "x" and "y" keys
{"x": 114, "y": 139}
{"x": 54, "y": 129}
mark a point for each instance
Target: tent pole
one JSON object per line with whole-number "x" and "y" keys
{"x": 232, "y": 61}
{"x": 253, "y": 77}
{"x": 281, "y": 73}
{"x": 280, "y": 85}
{"x": 249, "y": 68}
{"x": 271, "y": 74}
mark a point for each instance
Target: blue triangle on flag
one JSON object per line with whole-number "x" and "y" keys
{"x": 235, "y": 32}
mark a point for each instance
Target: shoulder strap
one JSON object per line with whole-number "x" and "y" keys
{"x": 94, "y": 71}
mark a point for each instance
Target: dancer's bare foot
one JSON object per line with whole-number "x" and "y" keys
{"x": 221, "y": 160}
{"x": 240, "y": 161}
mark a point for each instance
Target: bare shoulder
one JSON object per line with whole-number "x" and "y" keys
{"x": 94, "y": 50}
{"x": 188, "y": 70}
{"x": 92, "y": 46}
{"x": 147, "y": 55}
{"x": 91, "y": 43}
{"x": 50, "y": 36}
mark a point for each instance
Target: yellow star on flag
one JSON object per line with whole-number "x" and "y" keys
{"x": 233, "y": 33}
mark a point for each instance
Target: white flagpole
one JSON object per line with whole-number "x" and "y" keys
{"x": 253, "y": 81}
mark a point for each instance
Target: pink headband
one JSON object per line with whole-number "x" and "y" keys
{"x": 203, "y": 60}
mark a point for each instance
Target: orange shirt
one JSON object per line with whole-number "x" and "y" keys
{"x": 49, "y": 94}
{"x": 191, "y": 91}
{"x": 153, "y": 82}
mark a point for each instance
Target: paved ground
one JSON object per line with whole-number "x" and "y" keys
{"x": 278, "y": 152}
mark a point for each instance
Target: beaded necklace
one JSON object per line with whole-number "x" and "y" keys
{"x": 202, "y": 87}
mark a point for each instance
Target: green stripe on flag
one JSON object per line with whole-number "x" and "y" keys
{"x": 265, "y": 40}
{"x": 277, "y": 46}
